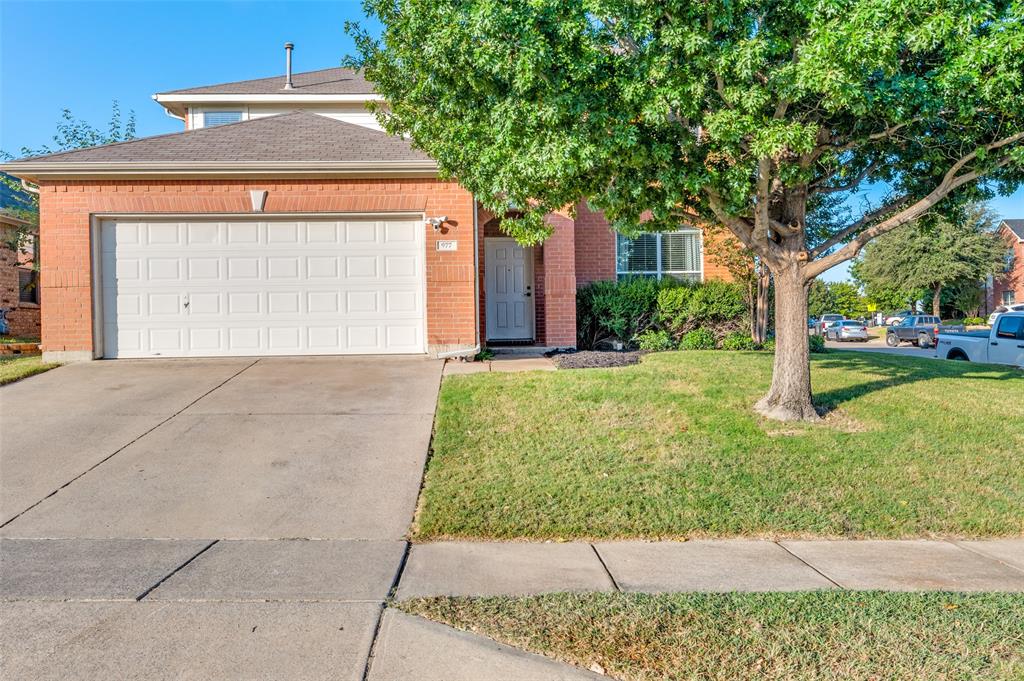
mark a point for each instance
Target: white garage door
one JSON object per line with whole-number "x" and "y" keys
{"x": 272, "y": 287}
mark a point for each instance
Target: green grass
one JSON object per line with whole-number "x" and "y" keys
{"x": 16, "y": 368}
{"x": 810, "y": 635}
{"x": 671, "y": 448}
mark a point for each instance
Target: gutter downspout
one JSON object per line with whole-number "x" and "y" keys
{"x": 26, "y": 187}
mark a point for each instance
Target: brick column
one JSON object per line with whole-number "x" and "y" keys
{"x": 560, "y": 283}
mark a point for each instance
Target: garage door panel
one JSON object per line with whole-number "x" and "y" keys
{"x": 222, "y": 288}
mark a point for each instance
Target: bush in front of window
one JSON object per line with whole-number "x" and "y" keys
{"x": 738, "y": 340}
{"x": 698, "y": 339}
{"x": 617, "y": 310}
{"x": 714, "y": 305}
{"x": 654, "y": 341}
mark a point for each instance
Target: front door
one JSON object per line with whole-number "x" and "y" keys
{"x": 508, "y": 271}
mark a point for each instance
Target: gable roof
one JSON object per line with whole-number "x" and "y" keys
{"x": 296, "y": 142}
{"x": 1015, "y": 226}
{"x": 335, "y": 81}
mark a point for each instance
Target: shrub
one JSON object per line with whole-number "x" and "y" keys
{"x": 738, "y": 340}
{"x": 698, "y": 339}
{"x": 974, "y": 321}
{"x": 817, "y": 343}
{"x": 654, "y": 341}
{"x": 768, "y": 345}
{"x": 616, "y": 310}
{"x": 717, "y": 306}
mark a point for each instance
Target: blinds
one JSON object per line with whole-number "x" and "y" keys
{"x": 675, "y": 254}
{"x": 212, "y": 118}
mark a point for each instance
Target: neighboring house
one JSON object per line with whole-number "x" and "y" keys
{"x": 1009, "y": 287}
{"x": 283, "y": 221}
{"x": 19, "y": 290}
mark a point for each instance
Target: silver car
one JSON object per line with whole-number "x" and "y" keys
{"x": 846, "y": 330}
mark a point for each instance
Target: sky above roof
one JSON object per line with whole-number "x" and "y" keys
{"x": 82, "y": 55}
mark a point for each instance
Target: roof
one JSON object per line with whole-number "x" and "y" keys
{"x": 299, "y": 141}
{"x": 336, "y": 81}
{"x": 1015, "y": 226}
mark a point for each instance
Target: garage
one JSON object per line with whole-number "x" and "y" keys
{"x": 204, "y": 287}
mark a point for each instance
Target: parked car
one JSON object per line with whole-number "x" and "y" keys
{"x": 920, "y": 330}
{"x": 812, "y": 322}
{"x": 897, "y": 317}
{"x": 1002, "y": 344}
{"x": 827, "y": 319}
{"x": 1012, "y": 307}
{"x": 848, "y": 329}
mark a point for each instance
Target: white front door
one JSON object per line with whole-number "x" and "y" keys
{"x": 508, "y": 271}
{"x": 266, "y": 286}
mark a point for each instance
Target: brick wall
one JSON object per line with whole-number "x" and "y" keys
{"x": 65, "y": 209}
{"x": 559, "y": 282}
{"x": 1012, "y": 280}
{"x": 22, "y": 318}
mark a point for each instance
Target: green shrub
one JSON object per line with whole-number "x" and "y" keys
{"x": 654, "y": 341}
{"x": 817, "y": 343}
{"x": 717, "y": 306}
{"x": 768, "y": 345}
{"x": 616, "y": 310}
{"x": 738, "y": 340}
{"x": 975, "y": 321}
{"x": 698, "y": 339}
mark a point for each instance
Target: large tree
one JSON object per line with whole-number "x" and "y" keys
{"x": 936, "y": 253}
{"x": 661, "y": 112}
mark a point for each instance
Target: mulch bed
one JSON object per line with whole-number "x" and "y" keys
{"x": 594, "y": 359}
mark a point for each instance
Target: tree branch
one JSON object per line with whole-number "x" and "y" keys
{"x": 816, "y": 187}
{"x": 950, "y": 181}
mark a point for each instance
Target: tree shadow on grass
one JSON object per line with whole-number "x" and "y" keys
{"x": 894, "y": 371}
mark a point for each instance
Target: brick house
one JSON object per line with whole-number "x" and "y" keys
{"x": 19, "y": 293}
{"x": 283, "y": 221}
{"x": 1009, "y": 288}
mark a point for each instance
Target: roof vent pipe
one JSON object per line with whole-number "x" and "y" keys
{"x": 288, "y": 47}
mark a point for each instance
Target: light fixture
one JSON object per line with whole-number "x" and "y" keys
{"x": 437, "y": 222}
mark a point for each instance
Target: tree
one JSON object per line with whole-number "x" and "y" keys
{"x": 747, "y": 271}
{"x": 72, "y": 133}
{"x": 661, "y": 112}
{"x": 936, "y": 254}
{"x": 840, "y": 297}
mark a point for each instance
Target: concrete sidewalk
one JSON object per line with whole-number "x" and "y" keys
{"x": 490, "y": 569}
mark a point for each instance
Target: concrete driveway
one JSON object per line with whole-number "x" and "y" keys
{"x": 231, "y": 518}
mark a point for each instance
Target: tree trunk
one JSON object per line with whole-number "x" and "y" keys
{"x": 761, "y": 306}
{"x": 937, "y": 299}
{"x": 789, "y": 398}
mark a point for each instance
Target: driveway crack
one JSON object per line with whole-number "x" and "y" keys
{"x": 175, "y": 570}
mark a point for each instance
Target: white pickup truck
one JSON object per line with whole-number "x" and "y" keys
{"x": 1003, "y": 344}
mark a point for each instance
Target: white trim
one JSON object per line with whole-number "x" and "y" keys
{"x": 215, "y": 169}
{"x": 96, "y": 221}
{"x": 226, "y": 98}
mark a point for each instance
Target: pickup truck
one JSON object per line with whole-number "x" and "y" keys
{"x": 1002, "y": 344}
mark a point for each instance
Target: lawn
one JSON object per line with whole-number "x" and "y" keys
{"x": 809, "y": 635}
{"x": 16, "y": 368}
{"x": 671, "y": 448}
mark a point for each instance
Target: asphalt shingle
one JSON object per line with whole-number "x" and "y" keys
{"x": 1015, "y": 226}
{"x": 335, "y": 81}
{"x": 298, "y": 136}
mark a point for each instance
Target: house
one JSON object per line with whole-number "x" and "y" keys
{"x": 1009, "y": 288}
{"x": 19, "y": 292}
{"x": 282, "y": 221}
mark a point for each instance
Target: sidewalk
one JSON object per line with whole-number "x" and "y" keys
{"x": 495, "y": 568}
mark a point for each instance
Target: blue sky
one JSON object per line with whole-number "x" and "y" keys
{"x": 82, "y": 55}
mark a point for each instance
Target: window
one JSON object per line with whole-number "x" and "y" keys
{"x": 667, "y": 254}
{"x": 211, "y": 118}
{"x": 28, "y": 285}
{"x": 1010, "y": 327}
{"x": 1007, "y": 298}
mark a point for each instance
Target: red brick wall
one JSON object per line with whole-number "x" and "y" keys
{"x": 1012, "y": 280}
{"x": 560, "y": 282}
{"x": 595, "y": 246}
{"x": 65, "y": 209}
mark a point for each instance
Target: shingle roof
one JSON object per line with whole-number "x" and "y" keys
{"x": 293, "y": 137}
{"x": 336, "y": 81}
{"x": 1015, "y": 226}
